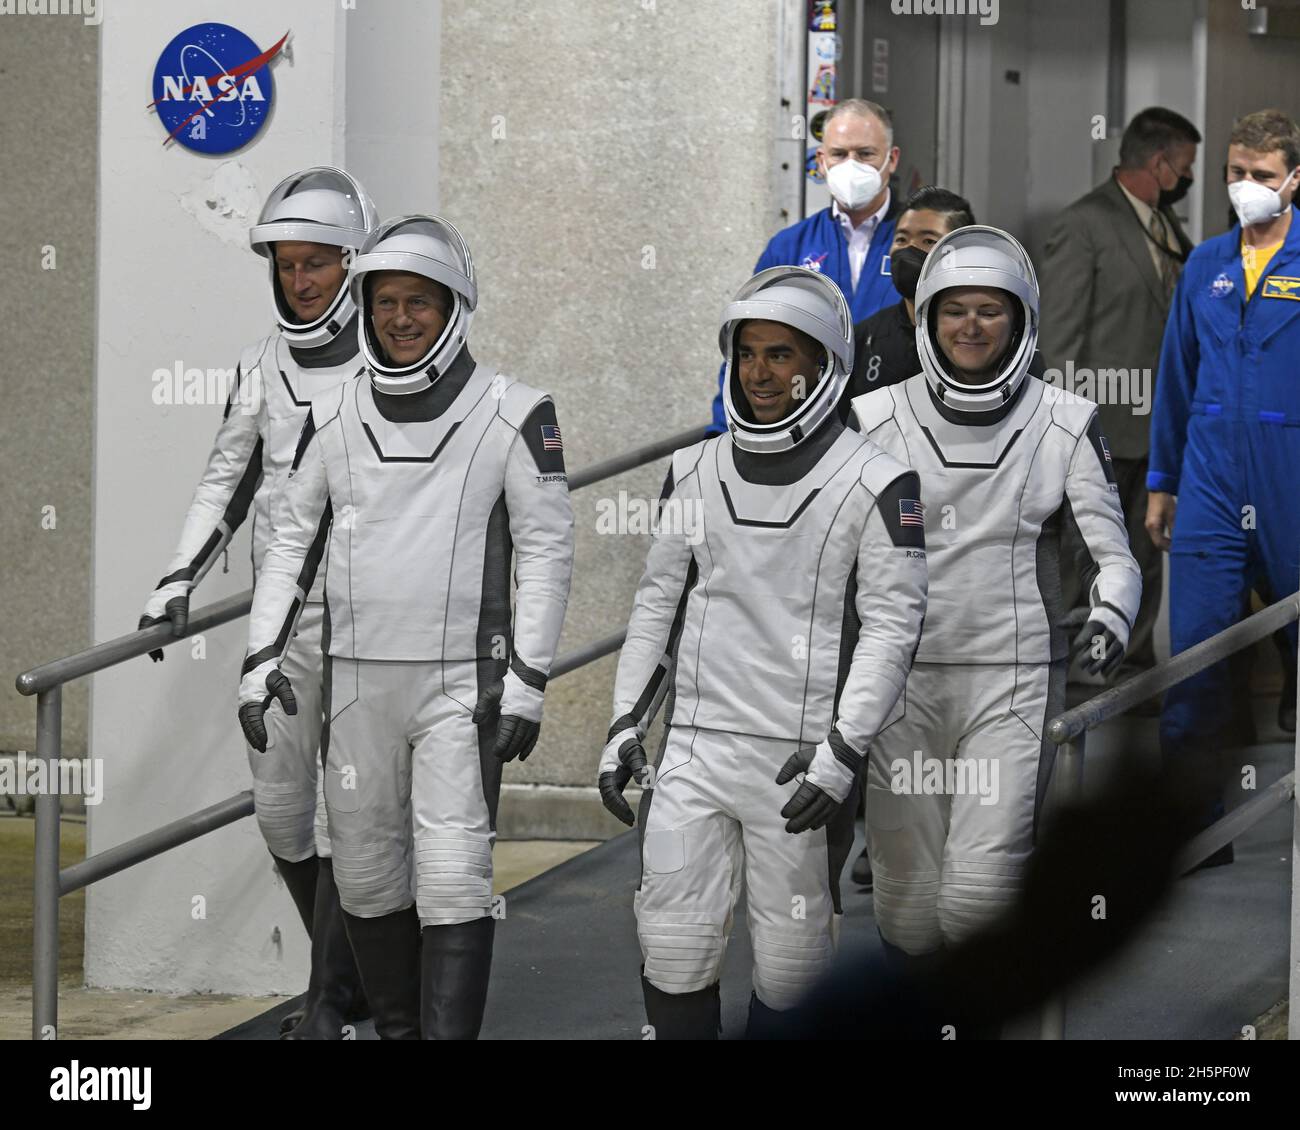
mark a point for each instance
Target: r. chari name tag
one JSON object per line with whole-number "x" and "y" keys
{"x": 1279, "y": 286}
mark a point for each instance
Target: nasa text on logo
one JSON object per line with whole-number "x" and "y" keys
{"x": 212, "y": 88}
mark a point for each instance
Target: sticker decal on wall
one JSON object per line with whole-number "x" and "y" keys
{"x": 212, "y": 88}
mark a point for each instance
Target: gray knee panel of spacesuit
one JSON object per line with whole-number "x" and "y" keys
{"x": 286, "y": 815}
{"x": 787, "y": 963}
{"x": 974, "y": 893}
{"x": 453, "y": 871}
{"x": 372, "y": 879}
{"x": 683, "y": 949}
{"x": 906, "y": 893}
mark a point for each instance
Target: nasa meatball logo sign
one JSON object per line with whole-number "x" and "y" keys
{"x": 212, "y": 88}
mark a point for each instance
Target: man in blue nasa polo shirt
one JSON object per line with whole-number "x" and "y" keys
{"x": 849, "y": 241}
{"x": 1225, "y": 435}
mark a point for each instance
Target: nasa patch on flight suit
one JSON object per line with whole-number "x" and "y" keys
{"x": 1280, "y": 286}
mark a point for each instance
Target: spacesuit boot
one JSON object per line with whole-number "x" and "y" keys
{"x": 334, "y": 993}
{"x": 387, "y": 950}
{"x": 300, "y": 878}
{"x": 456, "y": 964}
{"x": 763, "y": 1023}
{"x": 683, "y": 1016}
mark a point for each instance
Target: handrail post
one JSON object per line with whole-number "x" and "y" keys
{"x": 1293, "y": 1018}
{"x": 1067, "y": 786}
{"x": 45, "y": 893}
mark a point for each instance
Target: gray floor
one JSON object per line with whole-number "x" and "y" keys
{"x": 1213, "y": 959}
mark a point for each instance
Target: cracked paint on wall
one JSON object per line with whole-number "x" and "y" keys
{"x": 226, "y": 203}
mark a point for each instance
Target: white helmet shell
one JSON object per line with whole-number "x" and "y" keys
{"x": 986, "y": 257}
{"x": 420, "y": 245}
{"x": 320, "y": 205}
{"x": 807, "y": 301}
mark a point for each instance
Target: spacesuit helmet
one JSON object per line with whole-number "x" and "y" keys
{"x": 806, "y": 301}
{"x": 977, "y": 256}
{"x": 421, "y": 245}
{"x": 318, "y": 205}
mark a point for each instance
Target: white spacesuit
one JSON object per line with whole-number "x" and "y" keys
{"x": 954, "y": 786}
{"x": 782, "y": 597}
{"x": 276, "y": 381}
{"x": 416, "y": 482}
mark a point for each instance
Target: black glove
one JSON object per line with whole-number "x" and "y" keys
{"x": 1111, "y": 650}
{"x": 177, "y": 611}
{"x": 810, "y": 807}
{"x": 516, "y": 736}
{"x": 622, "y": 759}
{"x": 251, "y": 712}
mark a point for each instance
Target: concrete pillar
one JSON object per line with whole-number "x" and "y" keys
{"x": 611, "y": 167}
{"x": 178, "y": 285}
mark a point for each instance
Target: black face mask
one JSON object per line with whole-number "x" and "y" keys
{"x": 1171, "y": 196}
{"x": 905, "y": 268}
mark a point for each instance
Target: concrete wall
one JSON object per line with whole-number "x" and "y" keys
{"x": 1165, "y": 66}
{"x": 47, "y": 198}
{"x": 610, "y": 168}
{"x": 1243, "y": 73}
{"x": 1066, "y": 85}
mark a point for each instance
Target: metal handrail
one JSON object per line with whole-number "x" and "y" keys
{"x": 1070, "y": 731}
{"x": 57, "y": 672}
{"x": 636, "y": 458}
{"x": 46, "y": 683}
{"x": 1161, "y": 677}
{"x": 104, "y": 655}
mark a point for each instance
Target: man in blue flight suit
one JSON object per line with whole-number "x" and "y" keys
{"x": 1225, "y": 436}
{"x": 849, "y": 241}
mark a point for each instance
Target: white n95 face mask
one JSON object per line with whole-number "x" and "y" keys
{"x": 853, "y": 184}
{"x": 1255, "y": 203}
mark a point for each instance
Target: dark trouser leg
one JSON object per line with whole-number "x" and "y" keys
{"x": 1207, "y": 584}
{"x": 456, "y": 966}
{"x": 387, "y": 951}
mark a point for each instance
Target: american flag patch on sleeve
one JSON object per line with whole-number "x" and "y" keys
{"x": 911, "y": 512}
{"x": 551, "y": 438}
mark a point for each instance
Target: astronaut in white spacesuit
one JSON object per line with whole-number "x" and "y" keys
{"x": 305, "y": 229}
{"x": 954, "y": 787}
{"x": 417, "y": 482}
{"x": 785, "y": 612}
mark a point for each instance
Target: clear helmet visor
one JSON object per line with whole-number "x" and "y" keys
{"x": 812, "y": 304}
{"x": 430, "y": 248}
{"x": 323, "y": 206}
{"x": 973, "y": 259}
{"x": 320, "y": 205}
